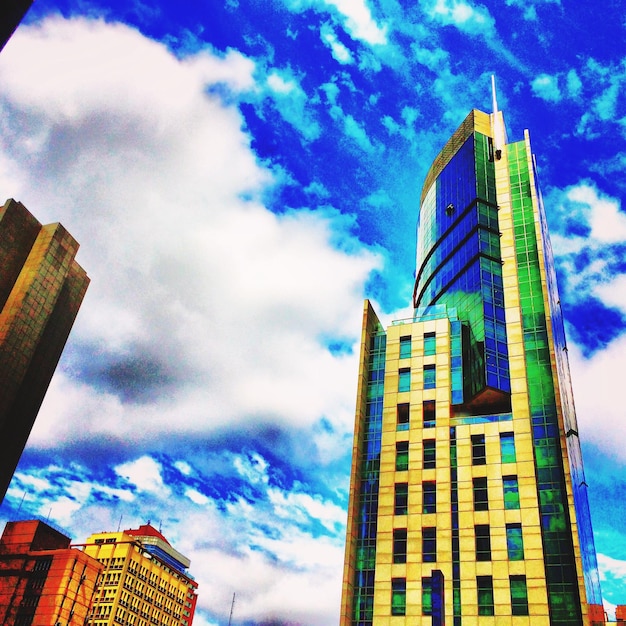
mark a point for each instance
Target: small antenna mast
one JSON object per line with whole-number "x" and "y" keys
{"x": 497, "y": 127}
{"x": 232, "y": 606}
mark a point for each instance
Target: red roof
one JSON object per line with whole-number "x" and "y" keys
{"x": 146, "y": 530}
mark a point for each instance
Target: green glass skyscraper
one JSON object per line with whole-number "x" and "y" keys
{"x": 468, "y": 502}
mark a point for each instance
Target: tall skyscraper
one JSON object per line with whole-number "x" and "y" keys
{"x": 468, "y": 502}
{"x": 41, "y": 290}
{"x": 144, "y": 581}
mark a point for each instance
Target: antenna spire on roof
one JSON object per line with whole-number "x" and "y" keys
{"x": 496, "y": 121}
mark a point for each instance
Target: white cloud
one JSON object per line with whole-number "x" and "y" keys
{"x": 603, "y": 214}
{"x": 253, "y": 468}
{"x": 145, "y": 474}
{"x": 359, "y": 21}
{"x": 547, "y": 88}
{"x": 597, "y": 383}
{"x": 340, "y": 53}
{"x": 471, "y": 19}
{"x": 196, "y": 497}
{"x": 205, "y": 309}
{"x": 292, "y": 103}
{"x": 356, "y": 17}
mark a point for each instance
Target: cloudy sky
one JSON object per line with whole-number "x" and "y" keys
{"x": 240, "y": 175}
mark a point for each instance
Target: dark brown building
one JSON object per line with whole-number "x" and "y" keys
{"x": 41, "y": 290}
{"x": 11, "y": 14}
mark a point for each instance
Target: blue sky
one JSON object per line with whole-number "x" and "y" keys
{"x": 240, "y": 175}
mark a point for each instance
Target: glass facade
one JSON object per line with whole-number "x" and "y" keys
{"x": 468, "y": 500}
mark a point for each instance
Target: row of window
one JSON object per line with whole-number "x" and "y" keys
{"x": 429, "y": 453}
{"x": 403, "y": 415}
{"x": 510, "y": 488}
{"x": 430, "y": 345}
{"x": 514, "y": 543}
{"x": 429, "y": 382}
{"x": 484, "y": 584}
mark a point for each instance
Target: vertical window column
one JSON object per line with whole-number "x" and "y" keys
{"x": 429, "y": 497}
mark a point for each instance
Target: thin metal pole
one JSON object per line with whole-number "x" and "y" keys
{"x": 232, "y": 606}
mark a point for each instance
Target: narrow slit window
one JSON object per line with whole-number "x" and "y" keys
{"x": 483, "y": 542}
{"x": 398, "y": 596}
{"x": 429, "y": 545}
{"x": 519, "y": 595}
{"x": 430, "y": 344}
{"x": 428, "y": 408}
{"x": 514, "y": 542}
{"x": 399, "y": 545}
{"x": 511, "y": 492}
{"x": 485, "y": 595}
{"x": 481, "y": 497}
{"x": 430, "y": 454}
{"x": 507, "y": 447}
{"x": 479, "y": 452}
{"x": 404, "y": 379}
{"x": 405, "y": 347}
{"x": 430, "y": 377}
{"x": 429, "y": 497}
{"x": 401, "y": 499}
{"x": 402, "y": 456}
{"x": 402, "y": 416}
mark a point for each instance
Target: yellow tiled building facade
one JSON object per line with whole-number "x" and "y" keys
{"x": 467, "y": 496}
{"x": 143, "y": 582}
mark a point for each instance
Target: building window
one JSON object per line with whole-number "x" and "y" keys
{"x": 430, "y": 377}
{"x": 401, "y": 499}
{"x": 479, "y": 455}
{"x": 429, "y": 497}
{"x": 405, "y": 347}
{"x": 519, "y": 595}
{"x": 404, "y": 379}
{"x": 402, "y": 456}
{"x": 427, "y": 596}
{"x": 514, "y": 542}
{"x": 429, "y": 545}
{"x": 398, "y": 596}
{"x": 481, "y": 498}
{"x": 428, "y": 409}
{"x": 430, "y": 344}
{"x": 399, "y": 545}
{"x": 402, "y": 416}
{"x": 485, "y": 595}
{"x": 511, "y": 492}
{"x": 507, "y": 447}
{"x": 483, "y": 542}
{"x": 430, "y": 454}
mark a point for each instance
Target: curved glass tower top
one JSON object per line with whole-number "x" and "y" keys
{"x": 459, "y": 262}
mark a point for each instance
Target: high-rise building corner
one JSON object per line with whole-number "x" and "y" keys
{"x": 41, "y": 289}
